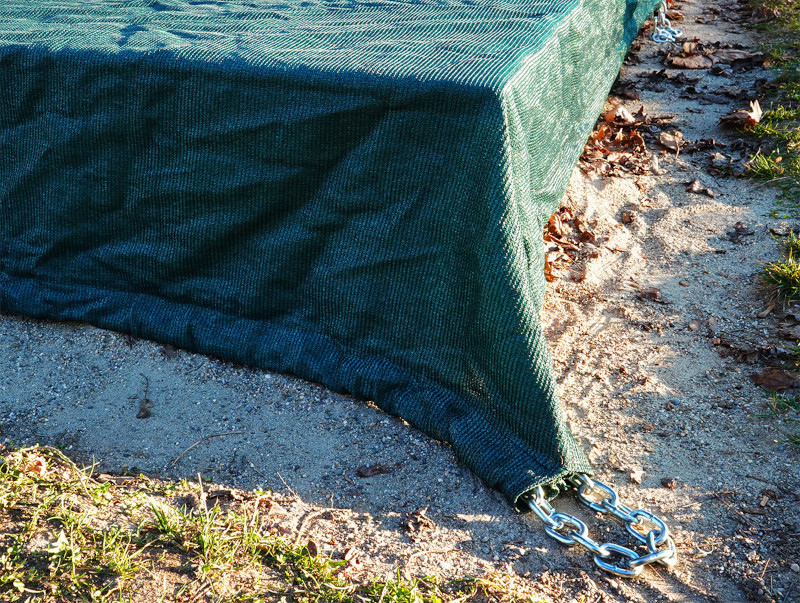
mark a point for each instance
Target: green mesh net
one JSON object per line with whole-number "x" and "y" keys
{"x": 352, "y": 191}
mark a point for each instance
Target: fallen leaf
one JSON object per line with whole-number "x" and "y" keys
{"x": 774, "y": 379}
{"x": 729, "y": 55}
{"x": 738, "y": 231}
{"x": 695, "y": 61}
{"x": 790, "y": 333}
{"x": 695, "y": 187}
{"x": 671, "y": 140}
{"x": 628, "y": 217}
{"x": 669, "y": 482}
{"x": 353, "y": 558}
{"x": 555, "y": 225}
{"x": 653, "y": 295}
{"x": 624, "y": 116}
{"x": 675, "y": 15}
{"x": 419, "y": 525}
{"x": 373, "y": 470}
{"x": 793, "y": 313}
{"x": 36, "y": 465}
{"x": 144, "y": 409}
{"x": 765, "y": 13}
{"x": 743, "y": 118}
{"x": 765, "y": 312}
{"x": 312, "y": 548}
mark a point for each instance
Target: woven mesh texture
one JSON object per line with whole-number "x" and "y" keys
{"x": 352, "y": 191}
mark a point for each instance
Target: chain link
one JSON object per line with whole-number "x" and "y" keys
{"x": 662, "y": 27}
{"x": 645, "y": 527}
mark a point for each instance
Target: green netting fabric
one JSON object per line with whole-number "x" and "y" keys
{"x": 349, "y": 190}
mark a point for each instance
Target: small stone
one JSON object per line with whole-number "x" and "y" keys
{"x": 628, "y": 217}
{"x": 636, "y": 475}
{"x": 795, "y": 568}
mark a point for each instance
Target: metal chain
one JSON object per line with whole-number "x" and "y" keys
{"x": 614, "y": 558}
{"x": 662, "y": 27}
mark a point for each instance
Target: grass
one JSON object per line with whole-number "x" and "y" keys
{"x": 66, "y": 535}
{"x": 779, "y": 407}
{"x": 780, "y": 123}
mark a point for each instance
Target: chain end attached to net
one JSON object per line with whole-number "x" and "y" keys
{"x": 616, "y": 559}
{"x": 662, "y": 27}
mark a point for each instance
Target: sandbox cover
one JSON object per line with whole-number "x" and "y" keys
{"x": 352, "y": 191}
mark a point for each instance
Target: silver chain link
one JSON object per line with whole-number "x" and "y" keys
{"x": 662, "y": 27}
{"x": 645, "y": 527}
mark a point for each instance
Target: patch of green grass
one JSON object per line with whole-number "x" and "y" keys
{"x": 68, "y": 536}
{"x": 787, "y": 410}
{"x": 784, "y": 275}
{"x": 780, "y": 124}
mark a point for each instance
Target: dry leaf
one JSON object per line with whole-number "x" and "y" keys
{"x": 774, "y": 380}
{"x": 765, "y": 312}
{"x": 669, "y": 482}
{"x": 37, "y": 466}
{"x": 652, "y": 295}
{"x": 742, "y": 117}
{"x": 695, "y": 187}
{"x": 624, "y": 116}
{"x": 696, "y": 61}
{"x": 739, "y": 230}
{"x": 729, "y": 55}
{"x": 373, "y": 470}
{"x": 671, "y": 140}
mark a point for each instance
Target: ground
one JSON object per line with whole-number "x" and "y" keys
{"x": 656, "y": 321}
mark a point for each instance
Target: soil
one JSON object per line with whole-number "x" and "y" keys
{"x": 653, "y": 322}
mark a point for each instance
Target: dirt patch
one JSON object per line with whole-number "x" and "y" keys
{"x": 651, "y": 320}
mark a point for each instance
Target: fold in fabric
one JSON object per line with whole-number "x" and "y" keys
{"x": 350, "y": 191}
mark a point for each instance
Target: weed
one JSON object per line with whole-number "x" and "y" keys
{"x": 76, "y": 537}
{"x": 784, "y": 275}
{"x": 780, "y": 124}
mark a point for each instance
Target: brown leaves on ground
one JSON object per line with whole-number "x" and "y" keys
{"x": 696, "y": 55}
{"x": 743, "y": 118}
{"x": 418, "y": 525}
{"x": 564, "y": 235}
{"x": 776, "y": 380}
{"x": 617, "y": 145}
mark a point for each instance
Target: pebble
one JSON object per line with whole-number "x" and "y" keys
{"x": 795, "y": 568}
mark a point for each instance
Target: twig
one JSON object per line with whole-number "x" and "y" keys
{"x": 200, "y": 441}
{"x": 728, "y": 506}
{"x": 766, "y": 481}
{"x": 764, "y": 571}
{"x": 288, "y": 487}
{"x": 253, "y": 467}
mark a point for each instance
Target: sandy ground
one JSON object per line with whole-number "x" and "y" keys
{"x": 643, "y": 381}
